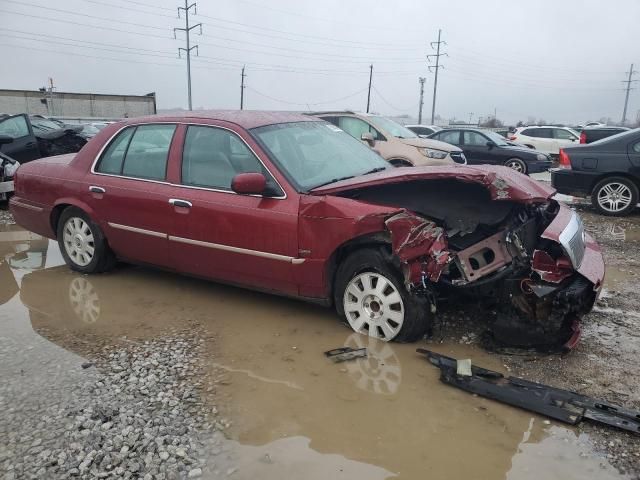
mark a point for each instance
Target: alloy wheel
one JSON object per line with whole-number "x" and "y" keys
{"x": 516, "y": 165}
{"x": 373, "y": 306}
{"x": 78, "y": 241}
{"x": 614, "y": 197}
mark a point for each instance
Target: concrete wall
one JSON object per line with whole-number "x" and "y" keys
{"x": 76, "y": 104}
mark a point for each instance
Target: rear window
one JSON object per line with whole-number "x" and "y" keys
{"x": 139, "y": 152}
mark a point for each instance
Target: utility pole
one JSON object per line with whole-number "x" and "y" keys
{"x": 242, "y": 76}
{"x": 51, "y": 105}
{"x": 629, "y": 81}
{"x": 187, "y": 30}
{"x": 421, "y": 80}
{"x": 470, "y": 117}
{"x": 436, "y": 68}
{"x": 369, "y": 94}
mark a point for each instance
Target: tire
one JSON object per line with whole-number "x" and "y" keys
{"x": 400, "y": 163}
{"x": 615, "y": 196}
{"x": 517, "y": 165}
{"x": 82, "y": 243}
{"x": 370, "y": 296}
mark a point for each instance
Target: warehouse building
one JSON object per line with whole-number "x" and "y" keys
{"x": 76, "y": 105}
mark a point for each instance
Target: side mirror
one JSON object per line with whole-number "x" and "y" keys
{"x": 368, "y": 137}
{"x": 4, "y": 139}
{"x": 491, "y": 144}
{"x": 249, "y": 183}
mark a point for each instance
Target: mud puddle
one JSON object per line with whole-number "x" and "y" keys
{"x": 293, "y": 413}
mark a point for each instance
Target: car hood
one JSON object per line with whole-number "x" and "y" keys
{"x": 429, "y": 143}
{"x": 503, "y": 183}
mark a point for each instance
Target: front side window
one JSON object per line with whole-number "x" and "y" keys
{"x": 561, "y": 134}
{"x": 356, "y": 127}
{"x": 213, "y": 156}
{"x": 474, "y": 139}
{"x": 636, "y": 148}
{"x": 14, "y": 127}
{"x": 139, "y": 152}
{"x": 311, "y": 154}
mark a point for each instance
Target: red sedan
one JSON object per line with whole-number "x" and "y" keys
{"x": 290, "y": 204}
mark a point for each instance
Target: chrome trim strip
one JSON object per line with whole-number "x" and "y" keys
{"x": 108, "y": 142}
{"x": 137, "y": 230}
{"x": 27, "y": 206}
{"x": 228, "y": 248}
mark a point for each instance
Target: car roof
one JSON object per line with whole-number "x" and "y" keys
{"x": 245, "y": 118}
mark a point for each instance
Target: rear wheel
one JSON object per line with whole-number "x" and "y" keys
{"x": 517, "y": 165}
{"x": 82, "y": 243}
{"x": 370, "y": 295}
{"x": 615, "y": 196}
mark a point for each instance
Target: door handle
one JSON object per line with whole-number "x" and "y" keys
{"x": 176, "y": 202}
{"x": 94, "y": 189}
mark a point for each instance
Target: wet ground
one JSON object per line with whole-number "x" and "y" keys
{"x": 288, "y": 412}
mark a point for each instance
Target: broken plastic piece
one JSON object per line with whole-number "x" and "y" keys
{"x": 563, "y": 405}
{"x": 345, "y": 353}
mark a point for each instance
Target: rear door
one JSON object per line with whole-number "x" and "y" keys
{"x": 129, "y": 194}
{"x": 563, "y": 138}
{"x": 24, "y": 146}
{"x": 250, "y": 240}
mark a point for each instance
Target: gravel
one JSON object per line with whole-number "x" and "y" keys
{"x": 5, "y": 215}
{"x": 138, "y": 414}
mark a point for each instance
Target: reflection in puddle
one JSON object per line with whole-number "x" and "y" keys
{"x": 384, "y": 415}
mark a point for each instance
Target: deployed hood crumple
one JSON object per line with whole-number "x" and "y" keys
{"x": 503, "y": 183}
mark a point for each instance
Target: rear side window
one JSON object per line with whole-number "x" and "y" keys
{"x": 474, "y": 139}
{"x": 139, "y": 152}
{"x": 561, "y": 134}
{"x": 449, "y": 137}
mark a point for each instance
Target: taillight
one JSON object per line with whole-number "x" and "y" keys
{"x": 583, "y": 137}
{"x": 513, "y": 137}
{"x": 563, "y": 160}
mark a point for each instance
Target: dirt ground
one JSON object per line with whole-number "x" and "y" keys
{"x": 265, "y": 403}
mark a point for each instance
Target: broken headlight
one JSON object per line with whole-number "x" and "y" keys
{"x": 541, "y": 157}
{"x": 10, "y": 168}
{"x": 431, "y": 153}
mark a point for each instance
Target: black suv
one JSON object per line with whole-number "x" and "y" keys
{"x": 608, "y": 170}
{"x": 487, "y": 147}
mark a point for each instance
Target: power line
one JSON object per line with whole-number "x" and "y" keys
{"x": 304, "y": 103}
{"x": 629, "y": 81}
{"x": 437, "y": 67}
{"x": 388, "y": 103}
{"x": 187, "y": 30}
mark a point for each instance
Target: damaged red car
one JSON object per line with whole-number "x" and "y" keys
{"x": 291, "y": 204}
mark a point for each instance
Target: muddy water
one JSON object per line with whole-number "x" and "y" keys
{"x": 293, "y": 413}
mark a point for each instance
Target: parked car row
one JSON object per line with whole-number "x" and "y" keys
{"x": 291, "y": 204}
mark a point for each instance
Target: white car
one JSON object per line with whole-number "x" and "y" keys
{"x": 546, "y": 139}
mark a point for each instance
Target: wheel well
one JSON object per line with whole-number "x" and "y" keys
{"x": 55, "y": 216}
{"x": 400, "y": 162}
{"x": 343, "y": 251}
{"x": 598, "y": 179}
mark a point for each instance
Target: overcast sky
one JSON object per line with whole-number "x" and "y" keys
{"x": 559, "y": 60}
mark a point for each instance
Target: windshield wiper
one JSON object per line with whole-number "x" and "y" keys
{"x": 334, "y": 180}
{"x": 375, "y": 170}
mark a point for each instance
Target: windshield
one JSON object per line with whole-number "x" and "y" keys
{"x": 392, "y": 128}
{"x": 311, "y": 154}
{"x": 496, "y": 138}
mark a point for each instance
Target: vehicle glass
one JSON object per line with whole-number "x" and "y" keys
{"x": 530, "y": 132}
{"x": 636, "y": 147}
{"x": 474, "y": 139}
{"x": 392, "y": 128}
{"x": 316, "y": 153}
{"x": 113, "y": 157}
{"x": 562, "y": 134}
{"x": 148, "y": 151}
{"x": 356, "y": 127}
{"x": 421, "y": 130}
{"x": 213, "y": 156}
{"x": 449, "y": 137}
{"x": 14, "y": 127}
{"x": 44, "y": 125}
{"x": 496, "y": 138}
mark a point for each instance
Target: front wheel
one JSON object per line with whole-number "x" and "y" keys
{"x": 615, "y": 196}
{"x": 517, "y": 165}
{"x": 370, "y": 295}
{"x": 82, "y": 243}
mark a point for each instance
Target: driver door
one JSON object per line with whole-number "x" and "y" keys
{"x": 250, "y": 240}
{"x": 475, "y": 148}
{"x": 24, "y": 146}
